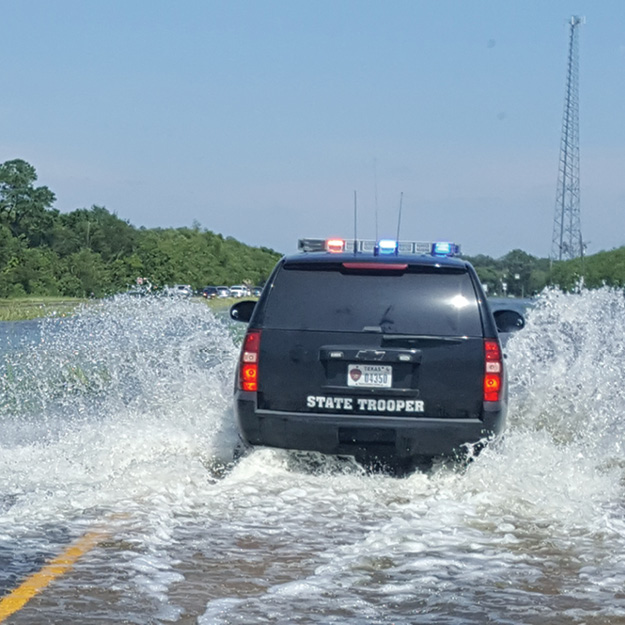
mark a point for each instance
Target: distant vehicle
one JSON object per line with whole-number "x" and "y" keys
{"x": 239, "y": 290}
{"x": 180, "y": 290}
{"x": 256, "y": 291}
{"x": 223, "y": 291}
{"x": 137, "y": 293}
{"x": 210, "y": 292}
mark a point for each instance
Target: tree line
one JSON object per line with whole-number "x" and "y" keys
{"x": 521, "y": 275}
{"x": 92, "y": 252}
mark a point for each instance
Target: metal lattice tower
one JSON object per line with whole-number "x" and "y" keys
{"x": 566, "y": 242}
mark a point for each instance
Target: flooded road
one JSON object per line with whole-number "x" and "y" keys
{"x": 117, "y": 423}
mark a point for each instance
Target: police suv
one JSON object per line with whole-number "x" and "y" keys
{"x": 377, "y": 350}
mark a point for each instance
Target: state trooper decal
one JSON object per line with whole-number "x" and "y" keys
{"x": 365, "y": 405}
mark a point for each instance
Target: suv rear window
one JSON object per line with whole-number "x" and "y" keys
{"x": 420, "y": 300}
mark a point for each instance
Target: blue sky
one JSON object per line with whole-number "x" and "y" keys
{"x": 259, "y": 119}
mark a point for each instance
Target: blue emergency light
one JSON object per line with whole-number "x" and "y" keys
{"x": 444, "y": 248}
{"x": 386, "y": 246}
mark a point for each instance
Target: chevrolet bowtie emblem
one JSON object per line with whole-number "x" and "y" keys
{"x": 370, "y": 354}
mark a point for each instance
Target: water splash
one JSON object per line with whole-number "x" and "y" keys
{"x": 124, "y": 410}
{"x": 567, "y": 370}
{"x": 122, "y": 388}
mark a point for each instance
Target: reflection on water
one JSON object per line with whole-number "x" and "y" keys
{"x": 122, "y": 416}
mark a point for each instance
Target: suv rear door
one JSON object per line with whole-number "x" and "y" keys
{"x": 403, "y": 339}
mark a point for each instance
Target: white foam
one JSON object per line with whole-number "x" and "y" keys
{"x": 125, "y": 414}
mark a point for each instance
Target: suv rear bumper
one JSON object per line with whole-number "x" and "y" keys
{"x": 366, "y": 436}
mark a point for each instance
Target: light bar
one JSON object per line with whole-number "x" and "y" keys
{"x": 384, "y": 246}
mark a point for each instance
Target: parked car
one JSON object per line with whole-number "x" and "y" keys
{"x": 223, "y": 291}
{"x": 379, "y": 355}
{"x": 210, "y": 292}
{"x": 181, "y": 290}
{"x": 239, "y": 290}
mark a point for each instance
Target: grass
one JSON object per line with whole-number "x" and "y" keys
{"x": 21, "y": 309}
{"x": 222, "y": 303}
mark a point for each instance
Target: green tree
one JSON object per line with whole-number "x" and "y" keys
{"x": 11, "y": 255}
{"x": 85, "y": 275}
{"x": 96, "y": 229}
{"x": 490, "y": 277}
{"x": 604, "y": 268}
{"x": 518, "y": 266}
{"x": 23, "y": 207}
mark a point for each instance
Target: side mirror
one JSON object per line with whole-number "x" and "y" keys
{"x": 509, "y": 320}
{"x": 242, "y": 311}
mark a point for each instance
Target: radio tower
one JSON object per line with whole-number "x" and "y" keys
{"x": 566, "y": 242}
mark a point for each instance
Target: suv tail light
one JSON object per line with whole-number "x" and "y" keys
{"x": 248, "y": 366}
{"x": 493, "y": 370}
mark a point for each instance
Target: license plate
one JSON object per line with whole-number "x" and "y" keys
{"x": 370, "y": 376}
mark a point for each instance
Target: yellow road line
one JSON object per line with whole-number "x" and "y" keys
{"x": 34, "y": 584}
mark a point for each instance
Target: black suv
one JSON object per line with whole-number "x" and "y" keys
{"x": 372, "y": 350}
{"x": 210, "y": 292}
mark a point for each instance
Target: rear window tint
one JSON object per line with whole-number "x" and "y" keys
{"x": 431, "y": 301}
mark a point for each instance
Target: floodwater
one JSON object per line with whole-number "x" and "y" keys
{"x": 118, "y": 421}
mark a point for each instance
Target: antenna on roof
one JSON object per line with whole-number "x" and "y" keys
{"x": 375, "y": 192}
{"x": 401, "y": 201}
{"x": 355, "y": 223}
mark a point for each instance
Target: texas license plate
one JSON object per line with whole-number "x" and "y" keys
{"x": 370, "y": 376}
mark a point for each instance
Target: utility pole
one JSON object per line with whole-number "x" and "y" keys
{"x": 566, "y": 242}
